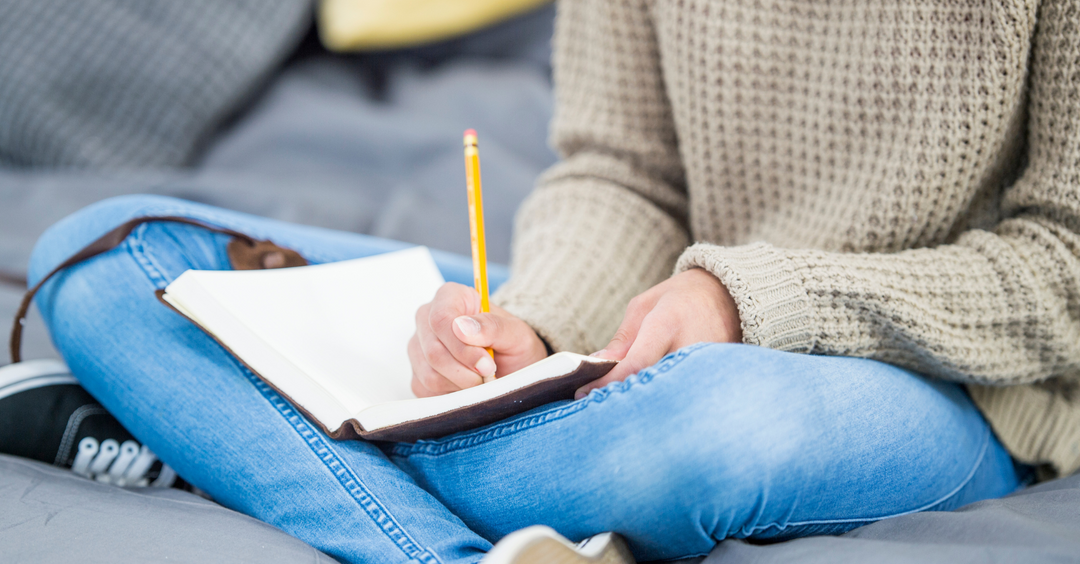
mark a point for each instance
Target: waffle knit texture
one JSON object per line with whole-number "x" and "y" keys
{"x": 132, "y": 83}
{"x": 895, "y": 181}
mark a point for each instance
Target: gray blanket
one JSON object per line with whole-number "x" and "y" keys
{"x": 52, "y": 515}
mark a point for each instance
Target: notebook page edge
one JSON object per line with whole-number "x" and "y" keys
{"x": 393, "y": 413}
{"x": 416, "y": 257}
{"x": 252, "y": 351}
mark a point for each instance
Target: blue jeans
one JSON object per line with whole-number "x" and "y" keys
{"x": 714, "y": 441}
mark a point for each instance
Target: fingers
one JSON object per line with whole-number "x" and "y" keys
{"x": 654, "y": 339}
{"x": 624, "y": 338}
{"x": 441, "y": 362}
{"x": 487, "y": 330}
{"x": 458, "y": 340}
{"x": 448, "y": 352}
{"x": 427, "y": 380}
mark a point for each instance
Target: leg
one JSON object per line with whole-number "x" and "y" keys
{"x": 722, "y": 441}
{"x": 208, "y": 417}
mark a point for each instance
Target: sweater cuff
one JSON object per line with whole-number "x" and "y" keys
{"x": 774, "y": 307}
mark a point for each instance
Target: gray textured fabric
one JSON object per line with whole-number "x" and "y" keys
{"x": 131, "y": 83}
{"x": 52, "y": 515}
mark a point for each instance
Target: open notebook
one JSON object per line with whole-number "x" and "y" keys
{"x": 332, "y": 339}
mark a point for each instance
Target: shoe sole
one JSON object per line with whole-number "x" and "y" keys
{"x": 22, "y": 376}
{"x": 541, "y": 545}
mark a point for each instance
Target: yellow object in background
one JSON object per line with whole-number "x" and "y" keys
{"x": 356, "y": 25}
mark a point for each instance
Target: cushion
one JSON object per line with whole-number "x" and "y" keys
{"x": 51, "y": 515}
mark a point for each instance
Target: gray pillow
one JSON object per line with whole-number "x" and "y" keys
{"x": 132, "y": 83}
{"x": 52, "y": 515}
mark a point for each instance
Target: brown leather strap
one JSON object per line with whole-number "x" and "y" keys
{"x": 245, "y": 253}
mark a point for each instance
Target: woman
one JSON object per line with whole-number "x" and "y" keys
{"x": 885, "y": 202}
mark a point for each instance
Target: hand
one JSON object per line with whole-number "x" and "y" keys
{"x": 690, "y": 307}
{"x": 447, "y": 351}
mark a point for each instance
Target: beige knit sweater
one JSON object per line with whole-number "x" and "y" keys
{"x": 870, "y": 178}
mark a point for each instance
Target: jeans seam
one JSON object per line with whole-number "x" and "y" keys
{"x": 348, "y": 480}
{"x": 499, "y": 430}
{"x": 925, "y": 507}
{"x": 368, "y": 502}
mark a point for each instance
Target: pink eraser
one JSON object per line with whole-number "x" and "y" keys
{"x": 470, "y": 132}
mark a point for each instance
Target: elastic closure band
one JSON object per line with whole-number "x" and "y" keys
{"x": 249, "y": 254}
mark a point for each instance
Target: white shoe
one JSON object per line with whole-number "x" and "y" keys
{"x": 542, "y": 545}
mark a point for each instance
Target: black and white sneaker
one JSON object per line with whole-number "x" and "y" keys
{"x": 46, "y": 415}
{"x": 542, "y": 545}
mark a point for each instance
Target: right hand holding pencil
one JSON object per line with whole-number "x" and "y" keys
{"x": 447, "y": 351}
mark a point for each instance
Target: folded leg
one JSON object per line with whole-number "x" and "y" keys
{"x": 721, "y": 441}
{"x": 206, "y": 415}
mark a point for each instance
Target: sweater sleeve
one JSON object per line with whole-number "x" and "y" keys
{"x": 607, "y": 222}
{"x": 999, "y": 306}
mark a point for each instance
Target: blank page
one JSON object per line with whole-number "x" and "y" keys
{"x": 345, "y": 324}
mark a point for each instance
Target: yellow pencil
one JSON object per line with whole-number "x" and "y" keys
{"x": 476, "y": 222}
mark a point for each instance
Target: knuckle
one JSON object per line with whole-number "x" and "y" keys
{"x": 433, "y": 381}
{"x": 442, "y": 317}
{"x": 621, "y": 336}
{"x": 491, "y": 325}
{"x": 438, "y": 356}
{"x": 425, "y": 376}
{"x": 447, "y": 289}
{"x": 442, "y": 385}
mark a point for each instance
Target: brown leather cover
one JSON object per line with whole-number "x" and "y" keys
{"x": 262, "y": 255}
{"x": 449, "y": 422}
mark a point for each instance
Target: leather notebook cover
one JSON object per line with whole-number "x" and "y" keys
{"x": 449, "y": 422}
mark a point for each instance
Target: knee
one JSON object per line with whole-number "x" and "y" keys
{"x": 81, "y": 228}
{"x": 725, "y": 420}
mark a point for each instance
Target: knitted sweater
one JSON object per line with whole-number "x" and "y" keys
{"x": 896, "y": 181}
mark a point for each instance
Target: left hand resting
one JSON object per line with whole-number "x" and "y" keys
{"x": 690, "y": 307}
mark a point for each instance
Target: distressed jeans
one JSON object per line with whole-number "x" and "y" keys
{"x": 714, "y": 441}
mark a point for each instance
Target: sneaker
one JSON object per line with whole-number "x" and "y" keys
{"x": 46, "y": 415}
{"x": 542, "y": 545}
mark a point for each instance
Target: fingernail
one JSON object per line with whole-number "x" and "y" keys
{"x": 468, "y": 326}
{"x": 580, "y": 394}
{"x": 599, "y": 352}
{"x": 485, "y": 366}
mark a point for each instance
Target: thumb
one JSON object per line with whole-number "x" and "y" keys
{"x": 489, "y": 330}
{"x": 650, "y": 346}
{"x": 624, "y": 338}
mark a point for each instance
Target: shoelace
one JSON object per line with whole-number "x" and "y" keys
{"x": 124, "y": 464}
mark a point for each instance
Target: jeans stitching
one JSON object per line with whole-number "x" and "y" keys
{"x": 136, "y": 246}
{"x": 499, "y": 430}
{"x": 139, "y": 251}
{"x": 348, "y": 480}
{"x": 925, "y": 507}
